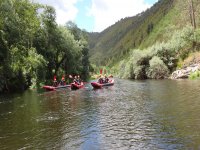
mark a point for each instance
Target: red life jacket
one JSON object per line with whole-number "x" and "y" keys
{"x": 63, "y": 78}
{"x": 54, "y": 78}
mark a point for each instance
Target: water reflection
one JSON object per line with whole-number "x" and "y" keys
{"x": 129, "y": 115}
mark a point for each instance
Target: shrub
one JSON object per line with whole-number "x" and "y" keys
{"x": 138, "y": 63}
{"x": 121, "y": 69}
{"x": 195, "y": 75}
{"x": 166, "y": 53}
{"x": 124, "y": 70}
{"x": 158, "y": 60}
{"x": 140, "y": 73}
{"x": 127, "y": 71}
{"x": 157, "y": 69}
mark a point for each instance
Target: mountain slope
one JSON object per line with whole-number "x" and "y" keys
{"x": 154, "y": 25}
{"x": 116, "y": 41}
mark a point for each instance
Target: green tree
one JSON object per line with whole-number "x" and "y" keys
{"x": 157, "y": 69}
{"x": 33, "y": 47}
{"x": 86, "y": 63}
{"x": 81, "y": 37}
{"x": 18, "y": 24}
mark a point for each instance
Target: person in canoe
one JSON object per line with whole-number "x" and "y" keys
{"x": 79, "y": 79}
{"x": 111, "y": 76}
{"x": 55, "y": 83}
{"x": 62, "y": 82}
{"x": 106, "y": 79}
{"x": 76, "y": 81}
{"x": 69, "y": 79}
{"x": 100, "y": 79}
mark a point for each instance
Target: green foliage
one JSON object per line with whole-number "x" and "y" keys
{"x": 135, "y": 67}
{"x": 164, "y": 31}
{"x": 157, "y": 69}
{"x": 85, "y": 63}
{"x": 64, "y": 47}
{"x": 158, "y": 60}
{"x": 125, "y": 69}
{"x": 195, "y": 75}
{"x": 26, "y": 64}
{"x": 33, "y": 47}
{"x": 139, "y": 72}
{"x": 149, "y": 28}
{"x": 111, "y": 45}
{"x": 19, "y": 23}
{"x": 139, "y": 64}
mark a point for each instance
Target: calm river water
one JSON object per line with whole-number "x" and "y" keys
{"x": 143, "y": 115}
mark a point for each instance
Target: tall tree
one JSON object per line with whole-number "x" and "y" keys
{"x": 192, "y": 14}
{"x": 82, "y": 38}
{"x": 19, "y": 22}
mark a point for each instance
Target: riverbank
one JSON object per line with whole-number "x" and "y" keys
{"x": 186, "y": 72}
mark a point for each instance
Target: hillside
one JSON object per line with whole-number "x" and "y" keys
{"x": 127, "y": 33}
{"x": 140, "y": 31}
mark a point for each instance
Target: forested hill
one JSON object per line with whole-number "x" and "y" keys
{"x": 151, "y": 44}
{"x": 140, "y": 31}
{"x": 127, "y": 33}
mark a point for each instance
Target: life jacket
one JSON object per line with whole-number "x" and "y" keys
{"x": 54, "y": 78}
{"x": 63, "y": 78}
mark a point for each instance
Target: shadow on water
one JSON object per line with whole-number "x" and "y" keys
{"x": 147, "y": 114}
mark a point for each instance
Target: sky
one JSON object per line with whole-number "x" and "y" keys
{"x": 96, "y": 15}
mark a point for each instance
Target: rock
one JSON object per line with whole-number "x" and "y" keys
{"x": 185, "y": 72}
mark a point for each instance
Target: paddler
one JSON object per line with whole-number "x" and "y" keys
{"x": 79, "y": 79}
{"x": 75, "y": 80}
{"x": 62, "y": 82}
{"x": 100, "y": 79}
{"x": 55, "y": 83}
{"x": 106, "y": 79}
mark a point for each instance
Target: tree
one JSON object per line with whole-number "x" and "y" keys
{"x": 18, "y": 24}
{"x": 33, "y": 47}
{"x": 149, "y": 28}
{"x": 192, "y": 14}
{"x": 86, "y": 63}
{"x": 81, "y": 37}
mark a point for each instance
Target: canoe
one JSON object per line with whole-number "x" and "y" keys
{"x": 99, "y": 85}
{"x": 75, "y": 86}
{"x": 52, "y": 88}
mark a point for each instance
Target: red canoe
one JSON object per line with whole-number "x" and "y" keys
{"x": 52, "y": 88}
{"x": 99, "y": 85}
{"x": 75, "y": 86}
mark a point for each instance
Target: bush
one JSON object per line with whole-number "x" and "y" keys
{"x": 121, "y": 70}
{"x": 139, "y": 62}
{"x": 158, "y": 60}
{"x": 157, "y": 69}
{"x": 140, "y": 73}
{"x": 195, "y": 75}
{"x": 127, "y": 70}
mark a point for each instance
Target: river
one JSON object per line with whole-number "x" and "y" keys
{"x": 149, "y": 114}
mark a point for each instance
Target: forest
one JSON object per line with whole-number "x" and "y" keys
{"x": 34, "y": 48}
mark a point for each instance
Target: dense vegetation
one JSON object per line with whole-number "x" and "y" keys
{"x": 116, "y": 41}
{"x": 34, "y": 48}
{"x": 151, "y": 44}
{"x": 159, "y": 60}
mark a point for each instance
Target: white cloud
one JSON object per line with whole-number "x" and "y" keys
{"x": 107, "y": 12}
{"x": 65, "y": 9}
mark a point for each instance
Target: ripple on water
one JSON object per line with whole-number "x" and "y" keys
{"x": 129, "y": 115}
{"x": 48, "y": 117}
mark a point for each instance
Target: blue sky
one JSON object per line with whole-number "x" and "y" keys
{"x": 96, "y": 15}
{"x": 83, "y": 19}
